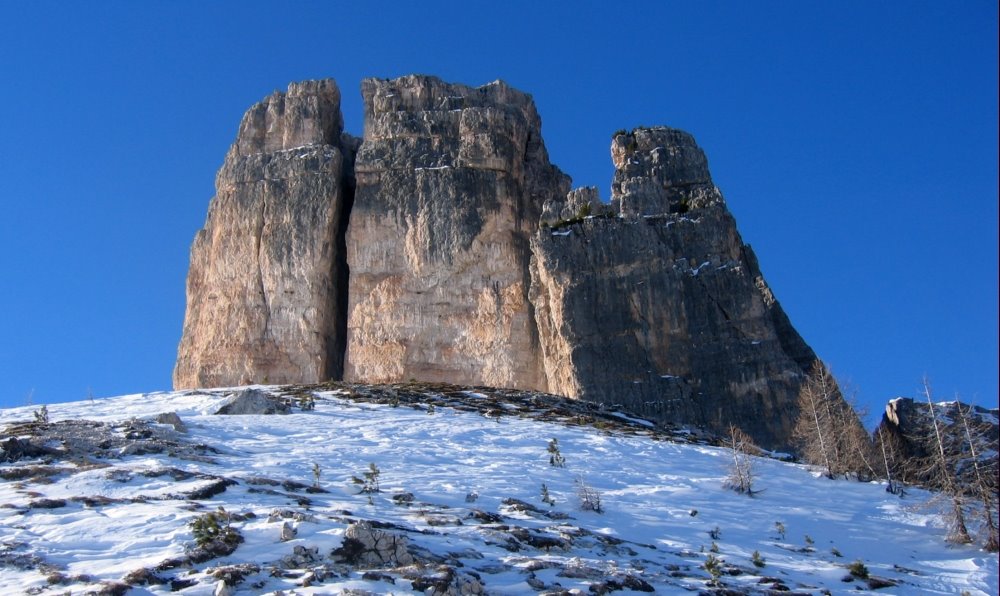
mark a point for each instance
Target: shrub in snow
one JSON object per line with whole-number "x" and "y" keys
{"x": 555, "y": 457}
{"x": 369, "y": 484}
{"x": 590, "y": 499}
{"x": 757, "y": 560}
{"x": 212, "y": 529}
{"x": 780, "y": 529}
{"x": 42, "y": 415}
{"x": 741, "y": 470}
{"x": 713, "y": 565}
{"x": 546, "y": 497}
{"x": 316, "y": 470}
{"x": 858, "y": 570}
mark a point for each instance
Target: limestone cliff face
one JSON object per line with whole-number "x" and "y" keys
{"x": 263, "y": 290}
{"x": 417, "y": 252}
{"x": 661, "y": 307}
{"x": 450, "y": 185}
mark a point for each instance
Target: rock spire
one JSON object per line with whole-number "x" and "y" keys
{"x": 264, "y": 298}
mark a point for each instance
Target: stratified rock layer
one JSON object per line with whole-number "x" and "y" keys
{"x": 264, "y": 286}
{"x": 662, "y": 308}
{"x": 450, "y": 184}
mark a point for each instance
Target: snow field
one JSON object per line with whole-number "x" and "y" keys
{"x": 661, "y": 499}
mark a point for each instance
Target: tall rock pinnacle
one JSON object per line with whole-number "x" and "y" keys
{"x": 262, "y": 290}
{"x": 450, "y": 184}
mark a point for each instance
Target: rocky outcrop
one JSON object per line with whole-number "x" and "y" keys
{"x": 662, "y": 308}
{"x": 252, "y": 402}
{"x": 908, "y": 433}
{"x": 366, "y": 547}
{"x": 265, "y": 290}
{"x": 450, "y": 185}
{"x": 467, "y": 260}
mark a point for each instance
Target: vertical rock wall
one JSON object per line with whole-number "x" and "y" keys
{"x": 661, "y": 307}
{"x": 450, "y": 184}
{"x": 262, "y": 289}
{"x": 417, "y": 253}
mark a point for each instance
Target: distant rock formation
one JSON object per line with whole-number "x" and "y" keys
{"x": 444, "y": 246}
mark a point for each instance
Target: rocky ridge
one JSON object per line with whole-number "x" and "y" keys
{"x": 908, "y": 433}
{"x": 444, "y": 246}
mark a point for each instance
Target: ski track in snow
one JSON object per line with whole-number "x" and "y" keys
{"x": 649, "y": 490}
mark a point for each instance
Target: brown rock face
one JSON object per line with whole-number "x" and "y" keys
{"x": 263, "y": 287}
{"x": 662, "y": 308}
{"x": 445, "y": 275}
{"x": 450, "y": 184}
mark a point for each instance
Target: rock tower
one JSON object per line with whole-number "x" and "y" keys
{"x": 444, "y": 246}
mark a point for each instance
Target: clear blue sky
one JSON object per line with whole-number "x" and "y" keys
{"x": 855, "y": 141}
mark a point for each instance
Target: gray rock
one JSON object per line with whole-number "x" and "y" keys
{"x": 666, "y": 315}
{"x": 252, "y": 401}
{"x": 366, "y": 547}
{"x": 287, "y": 532}
{"x": 301, "y": 557}
{"x": 660, "y": 170}
{"x": 173, "y": 420}
{"x": 578, "y": 203}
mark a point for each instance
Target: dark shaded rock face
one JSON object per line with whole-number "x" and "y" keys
{"x": 908, "y": 432}
{"x": 416, "y": 253}
{"x": 450, "y": 184}
{"x": 263, "y": 291}
{"x": 663, "y": 309}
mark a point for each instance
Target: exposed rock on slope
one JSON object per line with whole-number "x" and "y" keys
{"x": 264, "y": 291}
{"x": 450, "y": 184}
{"x": 664, "y": 309}
{"x": 908, "y": 433}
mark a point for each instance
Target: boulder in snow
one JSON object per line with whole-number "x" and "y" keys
{"x": 252, "y": 401}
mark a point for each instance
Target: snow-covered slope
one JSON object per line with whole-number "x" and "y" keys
{"x": 476, "y": 519}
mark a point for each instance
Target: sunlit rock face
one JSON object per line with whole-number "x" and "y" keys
{"x": 262, "y": 292}
{"x": 450, "y": 184}
{"x": 444, "y": 246}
